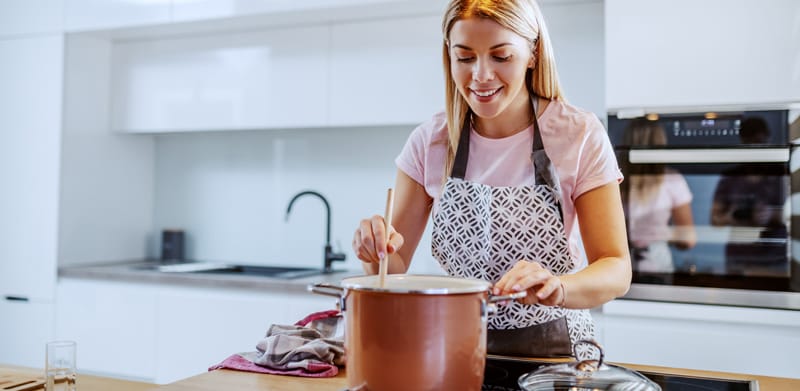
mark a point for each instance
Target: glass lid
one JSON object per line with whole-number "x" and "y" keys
{"x": 586, "y": 375}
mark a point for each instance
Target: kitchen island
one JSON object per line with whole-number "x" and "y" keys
{"x": 235, "y": 380}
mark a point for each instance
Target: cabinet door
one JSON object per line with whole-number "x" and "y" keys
{"x": 300, "y": 11}
{"x": 25, "y": 327}
{"x": 685, "y": 52}
{"x": 255, "y": 80}
{"x": 386, "y": 72}
{"x": 81, "y": 15}
{"x": 113, "y": 324}
{"x": 30, "y": 125}
{"x": 30, "y": 16}
{"x": 716, "y": 338}
{"x": 198, "y": 328}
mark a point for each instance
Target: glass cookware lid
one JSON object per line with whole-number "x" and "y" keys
{"x": 586, "y": 375}
{"x": 421, "y": 284}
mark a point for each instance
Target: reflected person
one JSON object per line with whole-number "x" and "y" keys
{"x": 752, "y": 196}
{"x": 657, "y": 202}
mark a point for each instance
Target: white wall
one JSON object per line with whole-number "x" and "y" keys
{"x": 230, "y": 190}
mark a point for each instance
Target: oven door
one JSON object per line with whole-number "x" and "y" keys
{"x": 717, "y": 218}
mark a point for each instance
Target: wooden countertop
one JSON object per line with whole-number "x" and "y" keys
{"x": 84, "y": 382}
{"x": 234, "y": 380}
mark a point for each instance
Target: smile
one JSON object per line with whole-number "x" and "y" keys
{"x": 486, "y": 93}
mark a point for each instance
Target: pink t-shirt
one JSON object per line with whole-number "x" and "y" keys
{"x": 575, "y": 141}
{"x": 649, "y": 221}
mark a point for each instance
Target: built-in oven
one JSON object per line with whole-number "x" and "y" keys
{"x": 708, "y": 204}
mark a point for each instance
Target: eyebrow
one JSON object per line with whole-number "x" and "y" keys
{"x": 491, "y": 48}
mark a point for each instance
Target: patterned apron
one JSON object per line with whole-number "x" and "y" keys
{"x": 480, "y": 231}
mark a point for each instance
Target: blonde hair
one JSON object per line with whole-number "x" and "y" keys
{"x": 645, "y": 180}
{"x": 524, "y": 18}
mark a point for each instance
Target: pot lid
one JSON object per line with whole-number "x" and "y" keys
{"x": 420, "y": 284}
{"x": 586, "y": 375}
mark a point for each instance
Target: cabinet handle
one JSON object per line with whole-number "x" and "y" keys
{"x": 16, "y": 298}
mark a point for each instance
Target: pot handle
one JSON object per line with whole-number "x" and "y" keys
{"x": 327, "y": 289}
{"x": 489, "y": 307}
{"x": 324, "y": 288}
{"x": 512, "y": 296}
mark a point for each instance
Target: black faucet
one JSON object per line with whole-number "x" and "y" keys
{"x": 330, "y": 256}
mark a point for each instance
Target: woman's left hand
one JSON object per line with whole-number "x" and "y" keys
{"x": 542, "y": 286}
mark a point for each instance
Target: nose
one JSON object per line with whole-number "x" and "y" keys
{"x": 482, "y": 71}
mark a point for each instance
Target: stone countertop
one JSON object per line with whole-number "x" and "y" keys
{"x": 142, "y": 271}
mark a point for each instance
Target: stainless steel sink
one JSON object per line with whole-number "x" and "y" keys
{"x": 282, "y": 272}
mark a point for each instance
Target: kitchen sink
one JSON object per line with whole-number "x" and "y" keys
{"x": 282, "y": 272}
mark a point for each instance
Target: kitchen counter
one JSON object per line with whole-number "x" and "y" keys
{"x": 84, "y": 382}
{"x": 234, "y": 380}
{"x": 137, "y": 271}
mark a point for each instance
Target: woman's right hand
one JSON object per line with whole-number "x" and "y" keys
{"x": 369, "y": 241}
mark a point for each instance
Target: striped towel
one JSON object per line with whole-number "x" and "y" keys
{"x": 312, "y": 347}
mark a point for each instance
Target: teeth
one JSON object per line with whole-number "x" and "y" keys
{"x": 485, "y": 93}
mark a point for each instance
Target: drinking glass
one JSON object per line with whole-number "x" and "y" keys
{"x": 60, "y": 366}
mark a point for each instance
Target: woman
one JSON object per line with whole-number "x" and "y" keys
{"x": 505, "y": 171}
{"x": 656, "y": 195}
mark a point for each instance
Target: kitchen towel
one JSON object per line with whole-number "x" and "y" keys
{"x": 312, "y": 347}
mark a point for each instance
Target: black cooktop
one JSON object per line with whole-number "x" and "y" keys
{"x": 501, "y": 375}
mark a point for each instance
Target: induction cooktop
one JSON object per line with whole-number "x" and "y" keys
{"x": 501, "y": 374}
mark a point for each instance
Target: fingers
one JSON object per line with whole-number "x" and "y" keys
{"x": 369, "y": 240}
{"x": 542, "y": 286}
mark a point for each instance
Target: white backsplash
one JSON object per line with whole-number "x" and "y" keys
{"x": 229, "y": 191}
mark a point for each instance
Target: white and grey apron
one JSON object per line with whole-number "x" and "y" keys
{"x": 480, "y": 231}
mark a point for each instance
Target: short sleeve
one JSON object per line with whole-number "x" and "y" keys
{"x": 597, "y": 163}
{"x": 412, "y": 157}
{"x": 679, "y": 190}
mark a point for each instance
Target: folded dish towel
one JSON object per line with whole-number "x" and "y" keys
{"x": 312, "y": 347}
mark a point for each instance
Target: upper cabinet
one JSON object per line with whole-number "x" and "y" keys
{"x": 386, "y": 72}
{"x": 298, "y": 11}
{"x": 82, "y": 15}
{"x": 30, "y": 17}
{"x": 712, "y": 52}
{"x": 261, "y": 79}
{"x": 340, "y": 74}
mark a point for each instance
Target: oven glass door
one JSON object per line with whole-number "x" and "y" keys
{"x": 709, "y": 217}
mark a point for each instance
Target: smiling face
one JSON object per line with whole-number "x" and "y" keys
{"x": 488, "y": 64}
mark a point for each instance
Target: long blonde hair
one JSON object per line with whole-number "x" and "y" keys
{"x": 644, "y": 180}
{"x": 524, "y": 18}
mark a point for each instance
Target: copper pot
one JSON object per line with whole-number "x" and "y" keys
{"x": 416, "y": 333}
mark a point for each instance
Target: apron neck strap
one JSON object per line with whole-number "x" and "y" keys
{"x": 462, "y": 153}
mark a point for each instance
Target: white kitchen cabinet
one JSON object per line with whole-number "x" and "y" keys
{"x": 386, "y": 72}
{"x": 25, "y": 328}
{"x": 297, "y": 11}
{"x": 717, "y": 338}
{"x": 86, "y": 15}
{"x": 576, "y": 31}
{"x": 714, "y": 52}
{"x": 30, "y": 17}
{"x": 114, "y": 325}
{"x": 163, "y": 333}
{"x": 31, "y": 74}
{"x": 198, "y": 328}
{"x": 274, "y": 78}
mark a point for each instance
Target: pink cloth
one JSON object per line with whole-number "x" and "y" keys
{"x": 317, "y": 316}
{"x": 575, "y": 141}
{"x": 241, "y": 362}
{"x": 304, "y": 349}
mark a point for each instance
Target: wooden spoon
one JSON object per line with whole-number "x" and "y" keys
{"x": 383, "y": 266}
